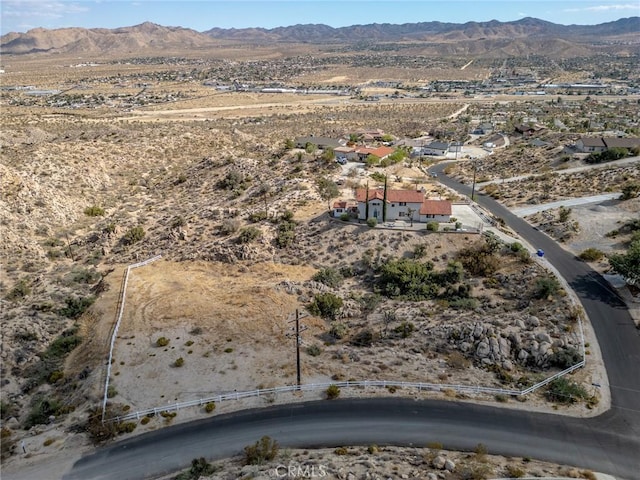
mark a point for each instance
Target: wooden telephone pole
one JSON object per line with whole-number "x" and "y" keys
{"x": 298, "y": 331}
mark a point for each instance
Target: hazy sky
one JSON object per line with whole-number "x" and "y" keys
{"x": 200, "y": 15}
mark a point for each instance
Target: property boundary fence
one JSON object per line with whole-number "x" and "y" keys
{"x": 123, "y": 293}
{"x": 437, "y": 387}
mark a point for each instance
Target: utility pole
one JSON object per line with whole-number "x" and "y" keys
{"x": 473, "y": 188}
{"x": 298, "y": 342}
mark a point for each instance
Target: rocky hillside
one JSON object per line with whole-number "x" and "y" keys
{"x": 525, "y": 36}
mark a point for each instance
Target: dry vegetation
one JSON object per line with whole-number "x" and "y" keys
{"x": 240, "y": 224}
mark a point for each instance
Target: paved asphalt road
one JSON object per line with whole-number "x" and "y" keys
{"x": 609, "y": 443}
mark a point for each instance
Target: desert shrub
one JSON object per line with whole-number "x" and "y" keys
{"x": 591, "y": 255}
{"x": 263, "y": 450}
{"x": 182, "y": 178}
{"x": 210, "y": 407}
{"x": 546, "y": 287}
{"x": 474, "y": 471}
{"x": 341, "y": 451}
{"x": 145, "y": 420}
{"x": 404, "y": 330}
{"x": 41, "y": 409}
{"x": 524, "y": 256}
{"x": 377, "y": 176}
{"x": 249, "y": 234}
{"x": 364, "y": 338}
{"x": 19, "y": 291}
{"x": 329, "y": 276}
{"x": 480, "y": 452}
{"x": 314, "y": 350}
{"x": 501, "y": 398}
{"x": 133, "y": 235}
{"x": 179, "y": 362}
{"x": 127, "y": 427}
{"x": 338, "y": 330}
{"x": 229, "y": 226}
{"x": 326, "y": 305}
{"x": 199, "y": 468}
{"x": 565, "y": 358}
{"x": 463, "y": 303}
{"x": 345, "y": 217}
{"x": 630, "y": 190}
{"x": 228, "y": 350}
{"x": 64, "y": 344}
{"x": 563, "y": 214}
{"x": 516, "y": 247}
{"x": 234, "y": 180}
{"x": 562, "y": 390}
{"x": 83, "y": 275}
{"x": 257, "y": 216}
{"x": 111, "y": 391}
{"x": 419, "y": 251}
{"x": 372, "y": 222}
{"x": 408, "y": 279}
{"x": 333, "y": 391}
{"x": 94, "y": 211}
{"x": 457, "y": 360}
{"x": 55, "y": 376}
{"x": 433, "y": 226}
{"x": 196, "y": 331}
{"x": 76, "y": 306}
{"x": 286, "y": 233}
{"x": 513, "y": 471}
{"x": 479, "y": 259}
{"x": 178, "y": 222}
{"x": 371, "y": 449}
{"x": 162, "y": 342}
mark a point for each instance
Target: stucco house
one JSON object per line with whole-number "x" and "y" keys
{"x": 435, "y": 148}
{"x": 407, "y": 205}
{"x": 320, "y": 142}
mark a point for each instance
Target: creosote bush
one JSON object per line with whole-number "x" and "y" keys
{"x": 179, "y": 362}
{"x": 210, "y": 407}
{"x": 263, "y": 450}
{"x": 162, "y": 342}
{"x": 591, "y": 255}
{"x": 333, "y": 391}
{"x": 94, "y": 211}
{"x": 133, "y": 235}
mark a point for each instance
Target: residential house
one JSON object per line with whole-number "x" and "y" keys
{"x": 528, "y": 130}
{"x": 601, "y": 144}
{"x": 435, "y": 148}
{"x": 407, "y": 205}
{"x": 381, "y": 152}
{"x": 320, "y": 142}
{"x": 345, "y": 206}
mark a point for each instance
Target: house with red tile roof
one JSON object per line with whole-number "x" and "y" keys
{"x": 408, "y": 205}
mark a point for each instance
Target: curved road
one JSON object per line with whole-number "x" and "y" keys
{"x": 608, "y": 443}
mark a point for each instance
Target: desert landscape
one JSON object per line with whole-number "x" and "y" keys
{"x": 192, "y": 155}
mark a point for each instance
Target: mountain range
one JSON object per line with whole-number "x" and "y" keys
{"x": 524, "y": 36}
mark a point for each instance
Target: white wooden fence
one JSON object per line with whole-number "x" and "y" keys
{"x": 123, "y": 294}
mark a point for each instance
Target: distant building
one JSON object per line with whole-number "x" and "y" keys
{"x": 407, "y": 205}
{"x": 320, "y": 142}
{"x": 435, "y": 148}
{"x": 601, "y": 144}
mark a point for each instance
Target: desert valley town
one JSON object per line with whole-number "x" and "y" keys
{"x": 402, "y": 249}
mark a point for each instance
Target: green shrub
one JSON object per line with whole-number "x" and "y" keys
{"x": 111, "y": 391}
{"x": 133, "y": 235}
{"x": 338, "y": 330}
{"x": 234, "y": 180}
{"x": 145, "y": 420}
{"x": 228, "y": 350}
{"x": 210, "y": 407}
{"x": 41, "y": 409}
{"x": 162, "y": 342}
{"x": 565, "y": 358}
{"x": 345, "y": 217}
{"x": 199, "y": 468}
{"x": 404, "y": 330}
{"x": 564, "y": 214}
{"x": 341, "y": 451}
{"x": 333, "y": 391}
{"x": 562, "y": 390}
{"x": 126, "y": 427}
{"x": 329, "y": 276}
{"x": 249, "y": 234}
{"x": 76, "y": 306}
{"x": 372, "y": 222}
{"x": 546, "y": 287}
{"x": 256, "y": 217}
{"x": 433, "y": 226}
{"x": 480, "y": 259}
{"x": 326, "y": 305}
{"x": 419, "y": 251}
{"x": 314, "y": 350}
{"x": 591, "y": 255}
{"x": 408, "y": 279}
{"x": 64, "y": 344}
{"x": 19, "y": 291}
{"x": 262, "y": 451}
{"x": 94, "y": 211}
{"x": 179, "y": 362}
{"x": 516, "y": 247}
{"x": 55, "y": 376}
